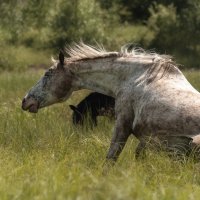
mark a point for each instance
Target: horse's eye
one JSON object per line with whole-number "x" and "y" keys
{"x": 48, "y": 73}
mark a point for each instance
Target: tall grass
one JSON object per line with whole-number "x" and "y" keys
{"x": 43, "y": 157}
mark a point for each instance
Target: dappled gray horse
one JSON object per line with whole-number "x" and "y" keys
{"x": 153, "y": 98}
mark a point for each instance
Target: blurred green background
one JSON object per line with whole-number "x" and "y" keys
{"x": 33, "y": 30}
{"x": 44, "y": 157}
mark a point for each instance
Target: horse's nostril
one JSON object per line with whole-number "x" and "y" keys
{"x": 29, "y": 103}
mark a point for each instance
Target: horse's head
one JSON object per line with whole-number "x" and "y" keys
{"x": 55, "y": 86}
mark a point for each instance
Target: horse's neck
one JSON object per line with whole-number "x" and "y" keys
{"x": 109, "y": 75}
{"x": 102, "y": 75}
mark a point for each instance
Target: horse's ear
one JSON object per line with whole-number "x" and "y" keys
{"x": 61, "y": 58}
{"x": 74, "y": 108}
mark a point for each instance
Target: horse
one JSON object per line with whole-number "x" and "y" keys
{"x": 153, "y": 99}
{"x": 93, "y": 105}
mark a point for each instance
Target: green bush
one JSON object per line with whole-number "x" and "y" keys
{"x": 82, "y": 20}
{"x": 163, "y": 22}
{"x": 138, "y": 35}
{"x": 176, "y": 33}
{"x": 42, "y": 25}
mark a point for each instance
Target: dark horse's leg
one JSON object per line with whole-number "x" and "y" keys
{"x": 94, "y": 119}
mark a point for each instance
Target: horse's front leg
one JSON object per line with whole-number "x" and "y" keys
{"x": 120, "y": 136}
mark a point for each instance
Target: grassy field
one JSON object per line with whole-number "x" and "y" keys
{"x": 43, "y": 157}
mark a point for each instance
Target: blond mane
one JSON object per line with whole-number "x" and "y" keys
{"x": 79, "y": 51}
{"x": 160, "y": 63}
{"x": 82, "y": 51}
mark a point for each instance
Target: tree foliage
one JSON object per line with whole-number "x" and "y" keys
{"x": 169, "y": 26}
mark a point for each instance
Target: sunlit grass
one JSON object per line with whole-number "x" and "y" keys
{"x": 42, "y": 156}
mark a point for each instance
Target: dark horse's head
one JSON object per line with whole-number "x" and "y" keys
{"x": 55, "y": 86}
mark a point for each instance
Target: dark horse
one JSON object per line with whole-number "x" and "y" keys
{"x": 93, "y": 105}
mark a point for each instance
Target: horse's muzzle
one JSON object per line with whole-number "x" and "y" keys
{"x": 30, "y": 104}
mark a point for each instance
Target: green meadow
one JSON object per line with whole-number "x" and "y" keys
{"x": 43, "y": 157}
